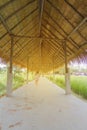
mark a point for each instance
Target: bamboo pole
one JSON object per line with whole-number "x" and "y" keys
{"x": 9, "y": 71}
{"x": 27, "y": 69}
{"x": 67, "y": 74}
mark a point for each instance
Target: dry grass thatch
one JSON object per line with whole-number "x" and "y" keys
{"x": 40, "y": 28}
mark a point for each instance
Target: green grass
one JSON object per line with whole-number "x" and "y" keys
{"x": 59, "y": 80}
{"x": 78, "y": 84}
{"x": 19, "y": 79}
{"x": 2, "y": 83}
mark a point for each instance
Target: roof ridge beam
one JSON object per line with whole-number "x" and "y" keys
{"x": 41, "y": 5}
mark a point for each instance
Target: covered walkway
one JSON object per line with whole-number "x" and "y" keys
{"x": 42, "y": 107}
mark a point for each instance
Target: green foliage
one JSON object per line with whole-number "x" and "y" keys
{"x": 31, "y": 76}
{"x": 2, "y": 82}
{"x": 78, "y": 84}
{"x": 59, "y": 80}
{"x": 19, "y": 79}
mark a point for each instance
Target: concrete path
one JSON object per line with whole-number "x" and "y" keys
{"x": 42, "y": 107}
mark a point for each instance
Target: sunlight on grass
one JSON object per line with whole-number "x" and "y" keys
{"x": 19, "y": 79}
{"x": 78, "y": 83}
{"x": 2, "y": 83}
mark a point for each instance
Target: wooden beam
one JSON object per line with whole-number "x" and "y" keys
{"x": 77, "y": 27}
{"x": 70, "y": 39}
{"x": 53, "y": 27}
{"x": 58, "y": 42}
{"x": 6, "y": 4}
{"x": 76, "y": 11}
{"x": 18, "y": 41}
{"x": 54, "y": 36}
{"x": 80, "y": 50}
{"x": 5, "y": 25}
{"x": 29, "y": 53}
{"x": 21, "y": 28}
{"x": 27, "y": 26}
{"x": 60, "y": 12}
{"x": 17, "y": 24}
{"x": 19, "y": 9}
{"x": 23, "y": 48}
{"x": 65, "y": 18}
{"x": 84, "y": 45}
{"x": 36, "y": 37}
{"x": 41, "y": 5}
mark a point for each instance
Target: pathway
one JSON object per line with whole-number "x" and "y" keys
{"x": 42, "y": 107}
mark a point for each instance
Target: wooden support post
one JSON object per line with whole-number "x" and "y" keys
{"x": 27, "y": 69}
{"x": 67, "y": 75}
{"x": 41, "y": 43}
{"x": 9, "y": 71}
{"x": 53, "y": 68}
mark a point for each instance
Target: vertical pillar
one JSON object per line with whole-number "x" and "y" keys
{"x": 27, "y": 68}
{"x": 41, "y": 43}
{"x": 9, "y": 71}
{"x": 32, "y": 70}
{"x": 67, "y": 74}
{"x": 53, "y": 68}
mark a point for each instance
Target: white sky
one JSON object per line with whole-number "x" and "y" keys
{"x": 2, "y": 65}
{"x": 80, "y": 65}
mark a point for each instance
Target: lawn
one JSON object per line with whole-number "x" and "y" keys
{"x": 78, "y": 83}
{"x": 19, "y": 79}
{"x": 2, "y": 83}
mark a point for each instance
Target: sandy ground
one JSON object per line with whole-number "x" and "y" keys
{"x": 42, "y": 107}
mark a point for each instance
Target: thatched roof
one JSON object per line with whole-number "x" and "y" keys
{"x": 40, "y": 29}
